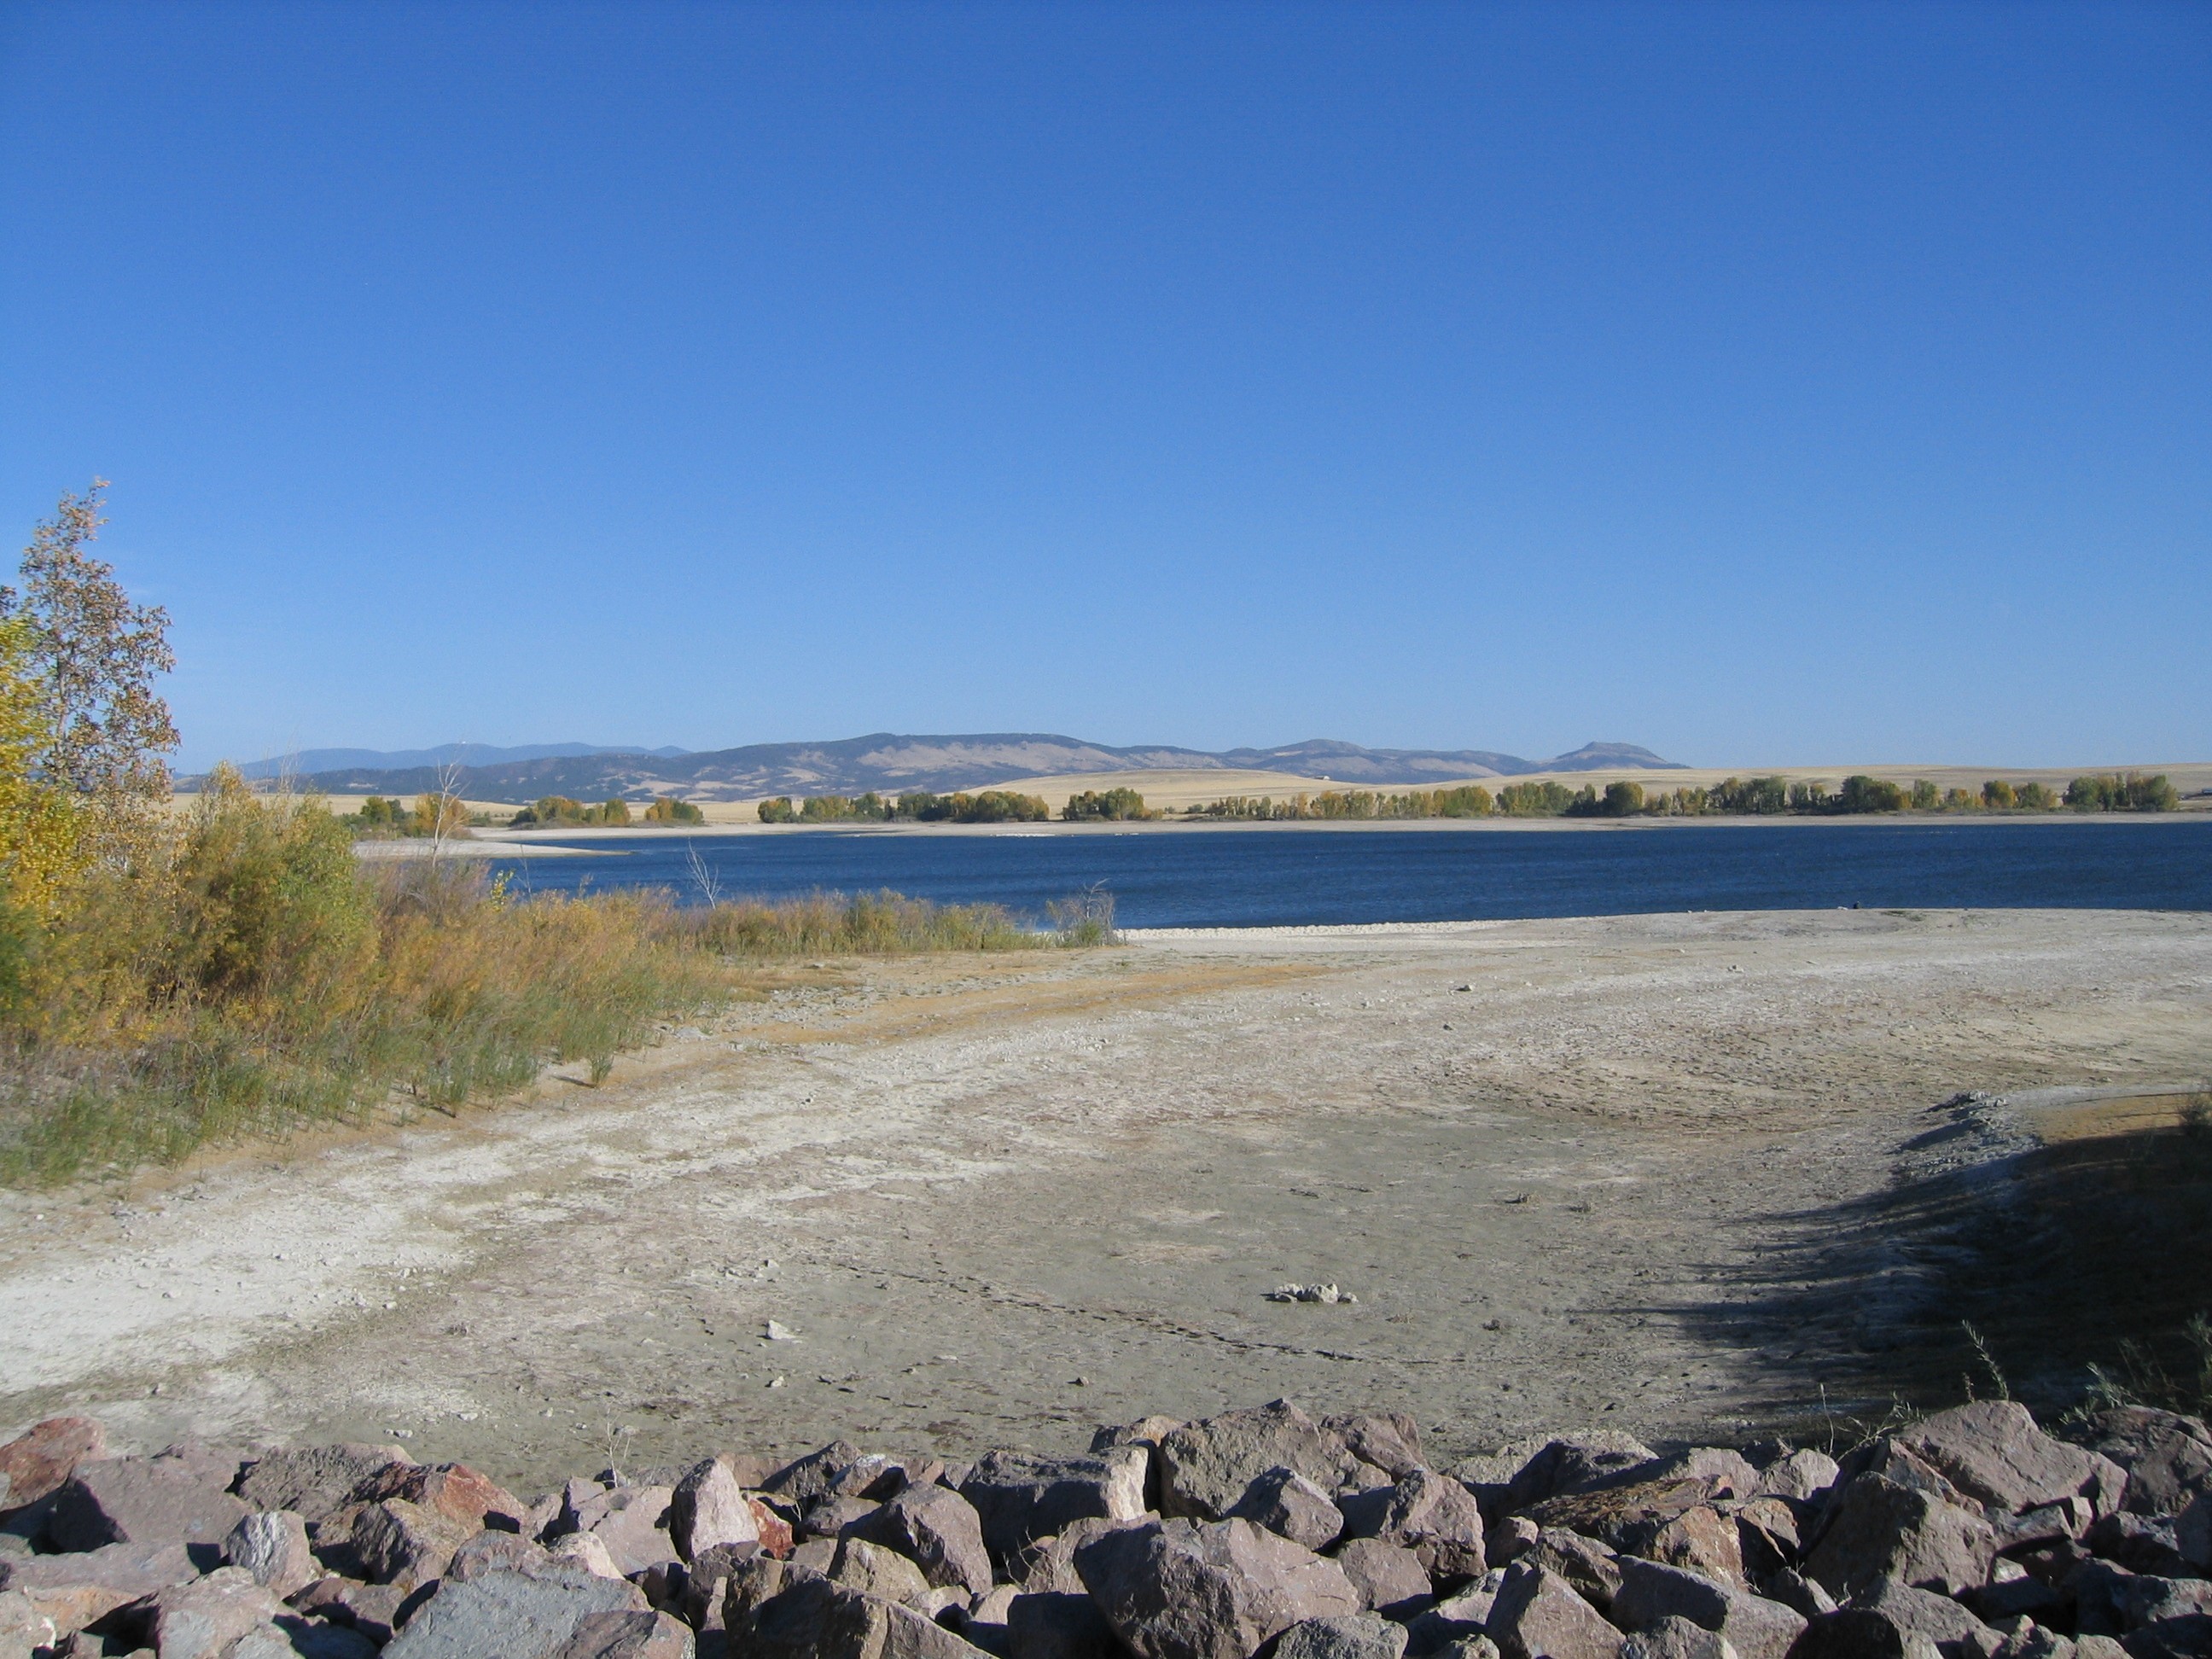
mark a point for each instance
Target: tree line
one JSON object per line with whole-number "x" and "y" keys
{"x": 918, "y": 807}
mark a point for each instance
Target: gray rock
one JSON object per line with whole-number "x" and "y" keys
{"x": 814, "y": 1618}
{"x": 627, "y": 1636}
{"x": 528, "y": 1614}
{"x": 1794, "y": 1590}
{"x": 1466, "y": 1647}
{"x": 634, "y": 1528}
{"x": 167, "y": 1499}
{"x": 288, "y": 1636}
{"x": 1184, "y": 1590}
{"x": 1727, "y": 1473}
{"x": 1058, "y": 1625}
{"x": 1389, "y": 1578}
{"x": 1992, "y": 1451}
{"x": 877, "y": 1570}
{"x": 313, "y": 1481}
{"x": 829, "y": 1517}
{"x": 2171, "y": 1638}
{"x": 1286, "y": 1502}
{"x": 1429, "y": 1514}
{"x": 2167, "y": 1456}
{"x": 205, "y": 1618}
{"x": 1798, "y": 1476}
{"x": 1019, "y": 1498}
{"x": 272, "y": 1546}
{"x": 1589, "y": 1566}
{"x": 708, "y": 1507}
{"x": 397, "y": 1542}
{"x": 2147, "y": 1599}
{"x": 806, "y": 1480}
{"x": 1206, "y": 1466}
{"x": 375, "y": 1610}
{"x": 1048, "y": 1566}
{"x": 1579, "y": 1464}
{"x": 1391, "y": 1441}
{"x": 1676, "y": 1638}
{"x": 1347, "y": 1636}
{"x": 72, "y": 1591}
{"x": 1756, "y": 1627}
{"x": 1880, "y": 1529}
{"x": 1538, "y": 1615}
{"x": 938, "y": 1530}
{"x": 491, "y": 1552}
{"x": 2192, "y": 1533}
{"x": 1454, "y": 1618}
{"x": 1854, "y": 1633}
{"x": 1627, "y": 1515}
{"x": 1954, "y": 1630}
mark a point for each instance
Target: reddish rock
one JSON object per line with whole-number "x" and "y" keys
{"x": 1538, "y": 1615}
{"x": 167, "y": 1499}
{"x": 37, "y": 1460}
{"x": 452, "y": 1491}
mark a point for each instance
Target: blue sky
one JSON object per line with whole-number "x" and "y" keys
{"x": 1765, "y": 383}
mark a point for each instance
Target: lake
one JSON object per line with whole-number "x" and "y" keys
{"x": 1264, "y": 878}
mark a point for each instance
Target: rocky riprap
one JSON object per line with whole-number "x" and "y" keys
{"x": 1969, "y": 1534}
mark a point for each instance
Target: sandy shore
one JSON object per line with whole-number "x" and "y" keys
{"x": 1563, "y": 1165}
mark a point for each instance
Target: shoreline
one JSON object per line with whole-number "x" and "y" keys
{"x": 515, "y": 844}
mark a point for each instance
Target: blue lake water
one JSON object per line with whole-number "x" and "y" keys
{"x": 1261, "y": 878}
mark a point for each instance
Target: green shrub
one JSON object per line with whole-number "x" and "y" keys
{"x": 1622, "y": 799}
{"x": 1000, "y": 806}
{"x": 1861, "y": 793}
{"x": 1113, "y": 805}
{"x": 2035, "y": 797}
{"x": 1926, "y": 797}
{"x": 1961, "y": 800}
{"x": 1809, "y": 795}
{"x": 2110, "y": 792}
{"x": 666, "y": 809}
{"x": 1754, "y": 795}
{"x": 1547, "y": 800}
{"x": 778, "y": 811}
{"x": 1997, "y": 794}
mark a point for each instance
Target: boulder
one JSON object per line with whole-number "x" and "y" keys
{"x": 1592, "y": 1569}
{"x": 2192, "y": 1533}
{"x": 776, "y": 1537}
{"x": 1286, "y": 1502}
{"x": 806, "y": 1480}
{"x": 2171, "y": 1638}
{"x": 1953, "y": 1630}
{"x": 397, "y": 1542}
{"x": 1992, "y": 1451}
{"x": 1754, "y": 1627}
{"x": 1206, "y": 1466}
{"x": 627, "y": 1635}
{"x": 708, "y": 1507}
{"x": 493, "y": 1552}
{"x": 1019, "y": 1498}
{"x": 2140, "y": 1543}
{"x": 526, "y": 1614}
{"x": 875, "y": 1570}
{"x": 1767, "y": 1537}
{"x": 1388, "y": 1578}
{"x": 375, "y": 1610}
{"x": 37, "y": 1460}
{"x": 938, "y": 1530}
{"x": 1391, "y": 1441}
{"x": 1880, "y": 1529}
{"x": 826, "y": 1517}
{"x": 1798, "y": 1476}
{"x": 1345, "y": 1636}
{"x": 452, "y": 1491}
{"x": 1676, "y": 1638}
{"x": 1538, "y": 1615}
{"x": 1726, "y": 1474}
{"x": 71, "y": 1591}
{"x": 1704, "y": 1540}
{"x": 2145, "y": 1598}
{"x": 272, "y": 1546}
{"x": 204, "y": 1618}
{"x": 814, "y": 1618}
{"x": 1510, "y": 1540}
{"x": 634, "y": 1528}
{"x": 2167, "y": 1456}
{"x": 289, "y": 1637}
{"x": 1625, "y": 1515}
{"x": 314, "y": 1482}
{"x": 1429, "y": 1514}
{"x": 1854, "y": 1633}
{"x": 165, "y": 1499}
{"x": 1454, "y": 1618}
{"x": 586, "y": 1550}
{"x": 1185, "y": 1590}
{"x": 1579, "y": 1464}
{"x": 1058, "y": 1625}
{"x": 1145, "y": 1431}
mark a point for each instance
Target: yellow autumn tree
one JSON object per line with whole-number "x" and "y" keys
{"x": 42, "y": 844}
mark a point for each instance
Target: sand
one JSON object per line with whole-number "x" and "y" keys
{"x": 1569, "y": 1168}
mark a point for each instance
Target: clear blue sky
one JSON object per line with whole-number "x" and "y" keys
{"x": 1767, "y": 383}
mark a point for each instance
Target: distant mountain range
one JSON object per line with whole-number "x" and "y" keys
{"x": 310, "y": 762}
{"x": 884, "y": 760}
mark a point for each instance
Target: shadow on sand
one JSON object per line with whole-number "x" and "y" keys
{"x": 1995, "y": 1262}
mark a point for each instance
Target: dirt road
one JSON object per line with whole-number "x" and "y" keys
{"x": 1567, "y": 1169}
